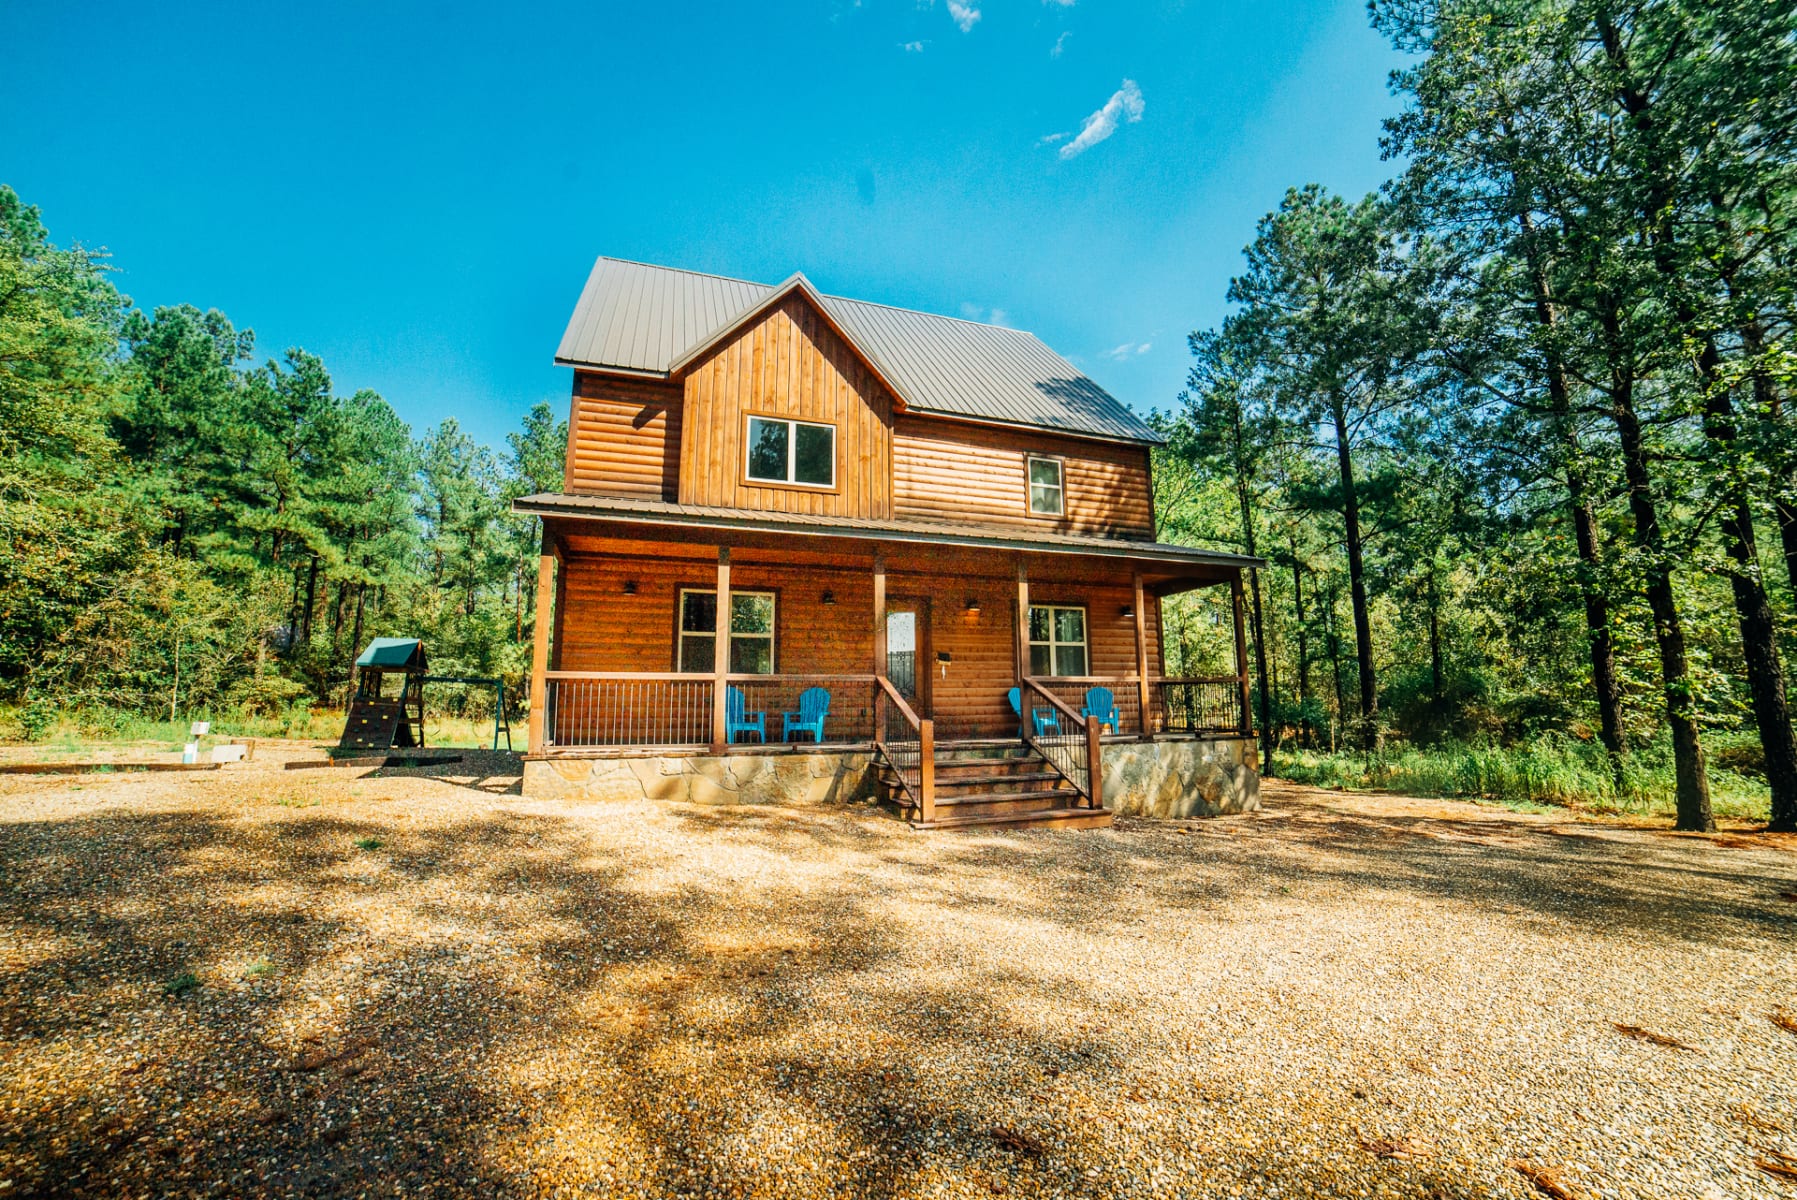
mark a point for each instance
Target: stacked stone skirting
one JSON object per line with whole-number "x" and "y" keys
{"x": 823, "y": 778}
{"x": 1199, "y": 777}
{"x": 1165, "y": 778}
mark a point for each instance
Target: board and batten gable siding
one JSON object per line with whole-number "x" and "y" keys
{"x": 624, "y": 437}
{"x": 946, "y": 470}
{"x": 787, "y": 363}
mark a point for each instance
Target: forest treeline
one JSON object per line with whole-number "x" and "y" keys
{"x": 1515, "y": 434}
{"x": 188, "y": 530}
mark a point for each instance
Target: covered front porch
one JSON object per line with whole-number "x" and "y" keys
{"x": 901, "y": 647}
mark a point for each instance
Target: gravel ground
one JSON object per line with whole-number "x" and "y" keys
{"x": 416, "y": 982}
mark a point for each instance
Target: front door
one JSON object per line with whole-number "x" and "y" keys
{"x": 907, "y": 650}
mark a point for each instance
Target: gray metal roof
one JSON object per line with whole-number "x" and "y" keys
{"x": 663, "y": 512}
{"x": 642, "y": 318}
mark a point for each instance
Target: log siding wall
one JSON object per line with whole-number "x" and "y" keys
{"x": 624, "y": 437}
{"x": 954, "y": 471}
{"x": 607, "y": 630}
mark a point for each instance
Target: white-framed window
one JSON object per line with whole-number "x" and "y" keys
{"x": 802, "y": 453}
{"x": 1047, "y": 497}
{"x": 751, "y": 631}
{"x": 1058, "y": 639}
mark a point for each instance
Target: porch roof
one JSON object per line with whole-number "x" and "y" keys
{"x": 689, "y": 516}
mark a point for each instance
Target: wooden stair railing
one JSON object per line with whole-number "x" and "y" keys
{"x": 1077, "y": 755}
{"x": 913, "y": 760}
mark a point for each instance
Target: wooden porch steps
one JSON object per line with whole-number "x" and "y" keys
{"x": 994, "y": 784}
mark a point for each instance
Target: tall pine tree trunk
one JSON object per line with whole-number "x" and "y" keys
{"x": 1363, "y": 629}
{"x": 1693, "y": 782}
{"x": 1753, "y": 610}
{"x": 1334, "y": 644}
{"x": 1305, "y": 730}
{"x": 1599, "y": 641}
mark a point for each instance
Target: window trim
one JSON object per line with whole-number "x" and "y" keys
{"x": 792, "y": 453}
{"x": 681, "y": 633}
{"x": 1085, "y": 643}
{"x": 1029, "y": 485}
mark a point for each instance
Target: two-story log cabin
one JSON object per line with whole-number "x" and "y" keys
{"x": 933, "y": 545}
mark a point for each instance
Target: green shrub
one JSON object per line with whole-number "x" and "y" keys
{"x": 1550, "y": 770}
{"x": 36, "y": 719}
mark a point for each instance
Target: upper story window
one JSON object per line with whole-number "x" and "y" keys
{"x": 1057, "y": 639}
{"x": 1047, "y": 497}
{"x": 751, "y": 631}
{"x": 791, "y": 452}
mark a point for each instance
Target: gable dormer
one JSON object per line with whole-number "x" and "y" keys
{"x": 780, "y": 413}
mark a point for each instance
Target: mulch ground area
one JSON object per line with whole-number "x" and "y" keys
{"x": 413, "y": 981}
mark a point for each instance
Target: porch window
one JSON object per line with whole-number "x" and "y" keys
{"x": 1057, "y": 639}
{"x": 797, "y": 452}
{"x": 751, "y": 631}
{"x": 1047, "y": 498}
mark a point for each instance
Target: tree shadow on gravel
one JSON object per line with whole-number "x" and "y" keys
{"x": 503, "y": 1005}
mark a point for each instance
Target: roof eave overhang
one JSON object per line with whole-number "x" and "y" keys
{"x": 1121, "y": 549}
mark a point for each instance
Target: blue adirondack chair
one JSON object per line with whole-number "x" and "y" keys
{"x": 814, "y": 706}
{"x": 1101, "y": 704}
{"x": 1045, "y": 720}
{"x": 737, "y": 721}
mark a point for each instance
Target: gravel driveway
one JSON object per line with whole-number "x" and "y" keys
{"x": 265, "y": 982}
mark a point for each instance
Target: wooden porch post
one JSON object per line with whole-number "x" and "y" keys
{"x": 547, "y": 604}
{"x": 879, "y": 613}
{"x": 1241, "y": 653}
{"x": 1141, "y": 659}
{"x": 1095, "y": 762}
{"x": 1023, "y": 647}
{"x": 720, "y": 657}
{"x": 926, "y": 770}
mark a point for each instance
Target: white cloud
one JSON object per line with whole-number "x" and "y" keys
{"x": 1049, "y": 139}
{"x": 911, "y": 47}
{"x": 1128, "y": 350}
{"x": 1060, "y": 3}
{"x": 1060, "y": 44}
{"x": 988, "y": 316}
{"x": 965, "y": 15}
{"x": 1124, "y": 105}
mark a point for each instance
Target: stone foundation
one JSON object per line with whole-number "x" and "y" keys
{"x": 1203, "y": 777}
{"x": 1177, "y": 778}
{"x": 822, "y": 778}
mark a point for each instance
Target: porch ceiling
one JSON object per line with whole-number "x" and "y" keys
{"x": 846, "y": 541}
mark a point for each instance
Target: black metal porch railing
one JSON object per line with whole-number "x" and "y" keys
{"x": 1200, "y": 705}
{"x": 600, "y": 708}
{"x": 851, "y": 713}
{"x": 1068, "y": 743}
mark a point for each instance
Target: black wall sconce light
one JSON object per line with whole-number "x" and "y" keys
{"x": 973, "y": 606}
{"x": 1129, "y": 610}
{"x": 630, "y": 587}
{"x": 827, "y": 598}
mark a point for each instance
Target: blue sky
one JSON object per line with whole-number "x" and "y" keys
{"x": 416, "y": 192}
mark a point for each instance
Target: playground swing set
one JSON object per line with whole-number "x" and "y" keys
{"x": 379, "y": 722}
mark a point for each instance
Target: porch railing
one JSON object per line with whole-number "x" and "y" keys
{"x": 1200, "y": 704}
{"x": 851, "y": 715}
{"x": 1071, "y": 746}
{"x": 908, "y": 744}
{"x": 1071, "y": 690}
{"x": 626, "y": 708}
{"x": 595, "y": 709}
